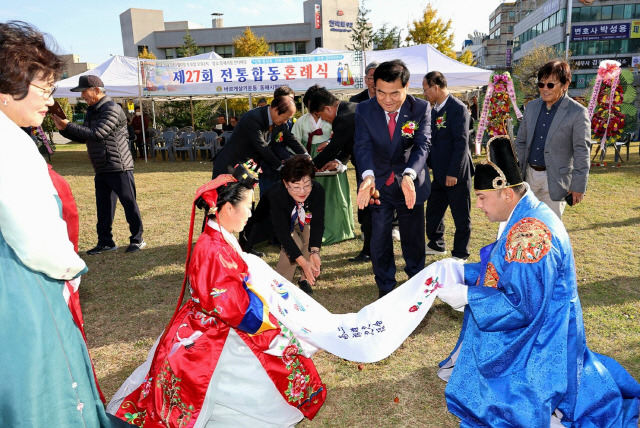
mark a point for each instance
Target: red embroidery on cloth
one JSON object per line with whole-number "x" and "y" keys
{"x": 528, "y": 241}
{"x": 491, "y": 276}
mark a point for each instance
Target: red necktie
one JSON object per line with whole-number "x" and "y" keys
{"x": 392, "y": 123}
{"x": 310, "y": 137}
{"x": 392, "y": 128}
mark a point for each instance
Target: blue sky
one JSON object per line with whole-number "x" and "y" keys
{"x": 91, "y": 29}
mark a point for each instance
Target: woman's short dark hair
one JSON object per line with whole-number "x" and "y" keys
{"x": 558, "y": 68}
{"x": 283, "y": 104}
{"x": 297, "y": 167}
{"x": 24, "y": 56}
{"x": 391, "y": 71}
{"x": 231, "y": 193}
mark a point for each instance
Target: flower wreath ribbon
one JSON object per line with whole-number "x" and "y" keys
{"x": 495, "y": 79}
{"x": 608, "y": 71}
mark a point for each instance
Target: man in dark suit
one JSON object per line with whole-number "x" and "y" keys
{"x": 450, "y": 161}
{"x": 341, "y": 116}
{"x": 370, "y": 92}
{"x": 393, "y": 132}
{"x": 255, "y": 131}
{"x": 364, "y": 215}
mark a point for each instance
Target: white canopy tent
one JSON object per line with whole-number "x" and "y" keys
{"x": 421, "y": 59}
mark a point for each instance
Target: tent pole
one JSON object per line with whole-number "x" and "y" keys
{"x": 142, "y": 112}
{"x": 226, "y": 109}
{"x": 153, "y": 110}
{"x": 250, "y": 102}
{"x": 191, "y": 104}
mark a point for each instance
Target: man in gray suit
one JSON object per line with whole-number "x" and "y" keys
{"x": 553, "y": 141}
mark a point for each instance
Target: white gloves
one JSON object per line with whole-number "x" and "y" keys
{"x": 454, "y": 295}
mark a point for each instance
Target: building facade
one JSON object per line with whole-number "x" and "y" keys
{"x": 597, "y": 29}
{"x": 497, "y": 50}
{"x": 327, "y": 23}
{"x": 73, "y": 66}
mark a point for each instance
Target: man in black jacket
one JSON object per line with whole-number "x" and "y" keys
{"x": 252, "y": 136}
{"x": 341, "y": 115}
{"x": 105, "y": 133}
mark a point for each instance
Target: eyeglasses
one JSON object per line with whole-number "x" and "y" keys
{"x": 424, "y": 90}
{"x": 298, "y": 189}
{"x": 46, "y": 93}
{"x": 549, "y": 85}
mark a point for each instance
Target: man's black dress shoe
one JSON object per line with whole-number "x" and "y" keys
{"x": 360, "y": 258}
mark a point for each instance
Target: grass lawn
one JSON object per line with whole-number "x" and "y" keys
{"x": 128, "y": 298}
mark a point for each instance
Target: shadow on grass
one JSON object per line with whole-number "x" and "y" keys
{"x": 614, "y": 291}
{"x": 620, "y": 223}
{"x": 75, "y": 161}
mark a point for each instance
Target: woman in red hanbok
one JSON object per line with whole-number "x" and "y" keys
{"x": 223, "y": 360}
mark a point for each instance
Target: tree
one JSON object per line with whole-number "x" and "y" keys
{"x": 189, "y": 46}
{"x": 145, "y": 54}
{"x": 466, "y": 57}
{"x": 248, "y": 44}
{"x": 432, "y": 30}
{"x": 362, "y": 33}
{"x": 386, "y": 38}
{"x": 526, "y": 70}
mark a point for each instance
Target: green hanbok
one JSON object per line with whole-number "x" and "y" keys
{"x": 338, "y": 219}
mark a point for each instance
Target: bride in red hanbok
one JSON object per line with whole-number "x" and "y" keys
{"x": 223, "y": 359}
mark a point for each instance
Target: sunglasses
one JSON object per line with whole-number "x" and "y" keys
{"x": 550, "y": 85}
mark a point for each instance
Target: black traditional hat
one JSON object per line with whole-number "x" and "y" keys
{"x": 501, "y": 169}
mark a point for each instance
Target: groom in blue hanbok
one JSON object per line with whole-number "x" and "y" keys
{"x": 522, "y": 359}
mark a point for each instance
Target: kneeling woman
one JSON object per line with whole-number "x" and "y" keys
{"x": 220, "y": 361}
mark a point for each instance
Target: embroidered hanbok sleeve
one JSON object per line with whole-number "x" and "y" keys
{"x": 515, "y": 291}
{"x": 217, "y": 278}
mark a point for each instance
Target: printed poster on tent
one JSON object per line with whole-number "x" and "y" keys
{"x": 250, "y": 75}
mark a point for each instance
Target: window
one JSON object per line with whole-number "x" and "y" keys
{"x": 301, "y": 47}
{"x": 224, "y": 51}
{"x": 545, "y": 25}
{"x": 283, "y": 48}
{"x": 510, "y": 28}
{"x": 628, "y": 11}
{"x": 618, "y": 12}
{"x": 575, "y": 14}
{"x": 613, "y": 47}
{"x": 170, "y": 53}
{"x": 552, "y": 20}
{"x": 512, "y": 14}
{"x": 318, "y": 42}
{"x": 637, "y": 14}
{"x": 606, "y": 13}
{"x": 562, "y": 15}
{"x": 585, "y": 14}
{"x": 596, "y": 12}
{"x": 142, "y": 48}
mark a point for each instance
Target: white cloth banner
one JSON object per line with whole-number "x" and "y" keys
{"x": 367, "y": 336}
{"x": 246, "y": 75}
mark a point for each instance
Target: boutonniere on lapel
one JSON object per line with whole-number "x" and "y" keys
{"x": 409, "y": 128}
{"x": 279, "y": 137}
{"x": 441, "y": 122}
{"x": 307, "y": 217}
